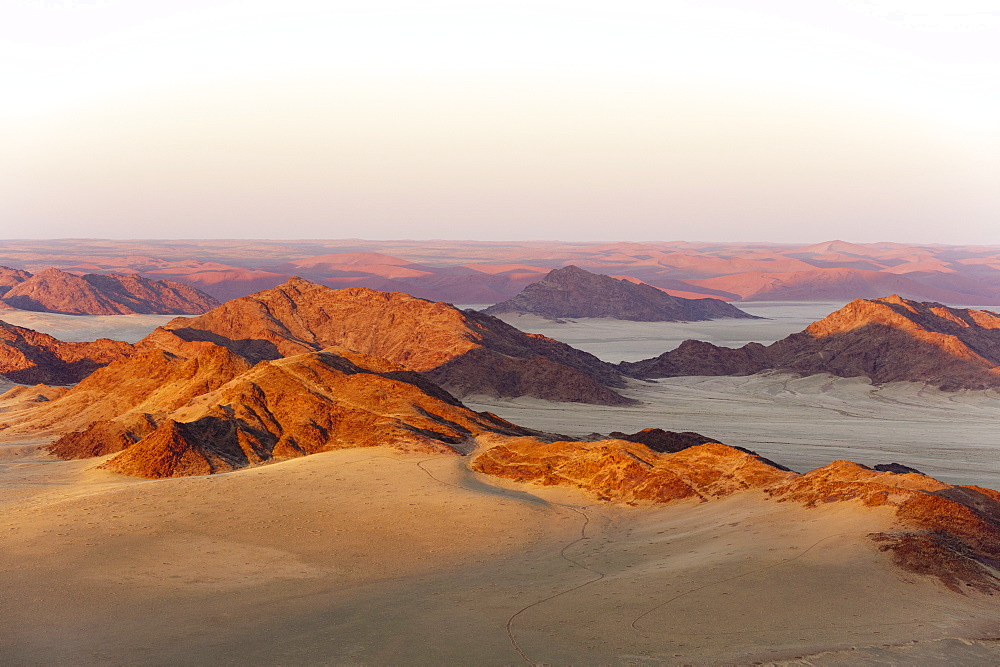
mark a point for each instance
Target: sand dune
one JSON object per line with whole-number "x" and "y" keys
{"x": 376, "y": 557}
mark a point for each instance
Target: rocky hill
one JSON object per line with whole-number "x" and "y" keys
{"x": 31, "y": 357}
{"x": 465, "y": 352}
{"x": 888, "y": 340}
{"x": 286, "y": 408}
{"x": 574, "y": 292}
{"x": 944, "y": 531}
{"x": 10, "y": 278}
{"x": 56, "y": 291}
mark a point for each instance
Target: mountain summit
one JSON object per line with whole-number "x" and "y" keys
{"x": 465, "y": 352}
{"x": 574, "y": 292}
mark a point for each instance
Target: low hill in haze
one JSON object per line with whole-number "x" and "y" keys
{"x": 574, "y": 292}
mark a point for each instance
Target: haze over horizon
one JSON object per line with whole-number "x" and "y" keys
{"x": 709, "y": 121}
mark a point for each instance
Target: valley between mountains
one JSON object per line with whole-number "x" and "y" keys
{"x": 309, "y": 475}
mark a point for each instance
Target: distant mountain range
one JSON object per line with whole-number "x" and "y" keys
{"x": 467, "y": 272}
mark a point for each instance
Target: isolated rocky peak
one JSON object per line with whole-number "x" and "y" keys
{"x": 575, "y": 292}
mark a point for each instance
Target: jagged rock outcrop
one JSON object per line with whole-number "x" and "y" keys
{"x": 630, "y": 472}
{"x": 949, "y": 532}
{"x": 944, "y": 531}
{"x": 31, "y": 357}
{"x": 286, "y": 408}
{"x": 574, "y": 292}
{"x": 466, "y": 352}
{"x": 56, "y": 291}
{"x": 126, "y": 392}
{"x": 9, "y": 278}
{"x": 888, "y": 340}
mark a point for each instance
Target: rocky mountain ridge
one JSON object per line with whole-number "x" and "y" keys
{"x": 55, "y": 291}
{"x": 889, "y": 339}
{"x": 465, "y": 352}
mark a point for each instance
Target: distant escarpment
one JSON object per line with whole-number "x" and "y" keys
{"x": 940, "y": 530}
{"x": 887, "y": 340}
{"x": 574, "y": 292}
{"x": 55, "y": 291}
{"x": 31, "y": 357}
{"x": 466, "y": 352}
{"x": 286, "y": 408}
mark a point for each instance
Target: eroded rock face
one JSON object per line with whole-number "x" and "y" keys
{"x": 464, "y": 351}
{"x": 31, "y": 357}
{"x": 286, "y": 408}
{"x": 574, "y": 292}
{"x": 888, "y": 340}
{"x": 631, "y": 472}
{"x": 56, "y": 291}
{"x": 125, "y": 393}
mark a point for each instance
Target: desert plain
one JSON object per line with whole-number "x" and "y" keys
{"x": 371, "y": 556}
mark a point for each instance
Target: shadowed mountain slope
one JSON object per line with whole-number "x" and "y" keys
{"x": 574, "y": 292}
{"x": 888, "y": 340}
{"x": 286, "y": 408}
{"x": 464, "y": 351}
{"x": 56, "y": 291}
{"x": 31, "y": 357}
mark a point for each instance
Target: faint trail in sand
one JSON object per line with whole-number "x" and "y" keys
{"x": 562, "y": 554}
{"x": 802, "y": 553}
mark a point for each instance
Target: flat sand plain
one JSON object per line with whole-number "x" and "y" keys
{"x": 368, "y": 556}
{"x": 86, "y": 328}
{"x": 617, "y": 340}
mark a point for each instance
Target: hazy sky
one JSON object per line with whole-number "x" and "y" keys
{"x": 779, "y": 120}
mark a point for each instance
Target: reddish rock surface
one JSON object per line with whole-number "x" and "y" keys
{"x": 574, "y": 292}
{"x": 31, "y": 357}
{"x": 949, "y": 532}
{"x": 10, "y": 278}
{"x": 125, "y": 393}
{"x": 464, "y": 351}
{"x": 631, "y": 472}
{"x": 290, "y": 407}
{"x": 888, "y": 340}
{"x": 56, "y": 291}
